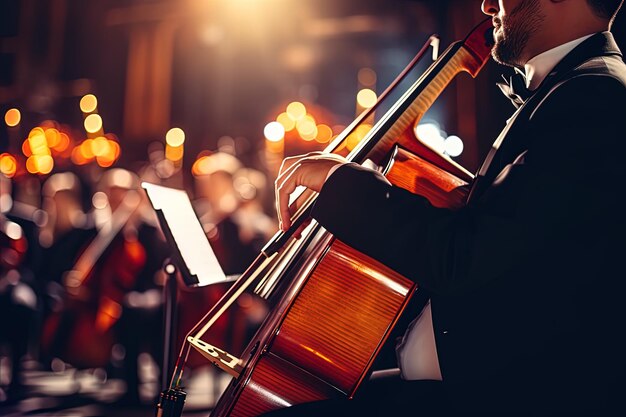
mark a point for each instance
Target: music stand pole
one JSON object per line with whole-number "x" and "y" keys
{"x": 171, "y": 401}
{"x": 170, "y": 315}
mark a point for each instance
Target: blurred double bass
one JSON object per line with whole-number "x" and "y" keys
{"x": 332, "y": 306}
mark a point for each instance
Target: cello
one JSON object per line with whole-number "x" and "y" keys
{"x": 334, "y": 307}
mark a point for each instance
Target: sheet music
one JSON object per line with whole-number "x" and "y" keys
{"x": 186, "y": 230}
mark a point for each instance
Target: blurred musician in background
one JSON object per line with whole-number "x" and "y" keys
{"x": 19, "y": 293}
{"x": 526, "y": 281}
{"x": 67, "y": 231}
{"x": 132, "y": 278}
{"x": 68, "y": 228}
{"x": 228, "y": 203}
{"x": 103, "y": 276}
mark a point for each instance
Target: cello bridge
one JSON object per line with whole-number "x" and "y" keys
{"x": 219, "y": 357}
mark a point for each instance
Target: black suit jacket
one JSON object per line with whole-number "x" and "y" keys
{"x": 527, "y": 280}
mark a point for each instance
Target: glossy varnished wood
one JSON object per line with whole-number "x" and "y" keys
{"x": 442, "y": 188}
{"x": 339, "y": 320}
{"x": 275, "y": 384}
{"x": 328, "y": 336}
{"x": 321, "y": 339}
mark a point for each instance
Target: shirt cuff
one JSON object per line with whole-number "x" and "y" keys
{"x": 333, "y": 169}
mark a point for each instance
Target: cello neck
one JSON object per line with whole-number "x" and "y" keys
{"x": 394, "y": 128}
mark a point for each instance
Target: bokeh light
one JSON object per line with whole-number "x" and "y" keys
{"x": 296, "y": 110}
{"x": 453, "y": 146}
{"x": 358, "y": 135}
{"x": 307, "y": 127}
{"x": 8, "y": 165}
{"x": 53, "y": 137}
{"x": 93, "y": 123}
{"x": 324, "y": 133}
{"x": 430, "y": 134}
{"x": 274, "y": 132}
{"x": 88, "y": 103}
{"x": 175, "y": 137}
{"x": 366, "y": 98}
{"x": 288, "y": 123}
{"x": 38, "y": 144}
{"x": 367, "y": 77}
{"x": 12, "y": 117}
{"x": 100, "y": 146}
{"x": 64, "y": 142}
{"x": 86, "y": 149}
{"x": 44, "y": 163}
{"x": 174, "y": 153}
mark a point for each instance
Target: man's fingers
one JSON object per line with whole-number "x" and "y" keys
{"x": 298, "y": 233}
{"x": 290, "y": 161}
{"x": 285, "y": 187}
{"x": 308, "y": 170}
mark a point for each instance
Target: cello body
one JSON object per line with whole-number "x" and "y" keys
{"x": 323, "y": 337}
{"x": 334, "y": 307}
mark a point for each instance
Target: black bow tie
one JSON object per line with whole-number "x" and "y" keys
{"x": 515, "y": 89}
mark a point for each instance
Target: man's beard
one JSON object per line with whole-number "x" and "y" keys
{"x": 514, "y": 32}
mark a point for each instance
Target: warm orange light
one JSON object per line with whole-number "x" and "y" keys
{"x": 26, "y": 148}
{"x": 31, "y": 165}
{"x": 53, "y": 137}
{"x": 309, "y": 135}
{"x": 35, "y": 132}
{"x": 44, "y": 163}
{"x": 12, "y": 117}
{"x": 8, "y": 165}
{"x": 39, "y": 144}
{"x": 296, "y": 110}
{"x": 287, "y": 122}
{"x": 86, "y": 149}
{"x": 63, "y": 144}
{"x": 109, "y": 157}
{"x": 357, "y": 136}
{"x": 307, "y": 127}
{"x": 88, "y": 103}
{"x": 100, "y": 146}
{"x": 366, "y": 98}
{"x": 105, "y": 161}
{"x": 77, "y": 156}
{"x": 324, "y": 133}
{"x": 115, "y": 149}
{"x": 175, "y": 137}
{"x": 174, "y": 153}
{"x": 201, "y": 166}
{"x": 93, "y": 123}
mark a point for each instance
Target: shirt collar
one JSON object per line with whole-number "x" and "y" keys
{"x": 538, "y": 67}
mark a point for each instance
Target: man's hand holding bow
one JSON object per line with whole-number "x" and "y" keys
{"x": 310, "y": 170}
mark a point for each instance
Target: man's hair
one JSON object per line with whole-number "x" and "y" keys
{"x": 605, "y": 8}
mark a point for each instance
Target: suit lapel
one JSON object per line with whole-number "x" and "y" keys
{"x": 512, "y": 139}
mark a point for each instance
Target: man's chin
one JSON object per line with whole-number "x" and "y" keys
{"x": 500, "y": 59}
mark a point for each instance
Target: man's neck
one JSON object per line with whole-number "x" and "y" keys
{"x": 552, "y": 36}
{"x": 538, "y": 68}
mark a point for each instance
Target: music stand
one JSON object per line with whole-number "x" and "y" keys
{"x": 192, "y": 256}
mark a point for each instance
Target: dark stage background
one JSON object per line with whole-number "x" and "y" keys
{"x": 98, "y": 95}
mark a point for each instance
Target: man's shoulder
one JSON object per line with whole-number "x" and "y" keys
{"x": 597, "y": 81}
{"x": 611, "y": 66}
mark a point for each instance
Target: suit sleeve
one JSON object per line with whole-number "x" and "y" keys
{"x": 546, "y": 209}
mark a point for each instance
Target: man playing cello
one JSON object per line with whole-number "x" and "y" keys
{"x": 525, "y": 312}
